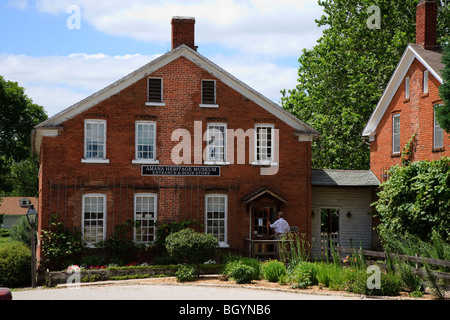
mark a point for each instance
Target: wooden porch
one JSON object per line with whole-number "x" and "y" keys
{"x": 265, "y": 249}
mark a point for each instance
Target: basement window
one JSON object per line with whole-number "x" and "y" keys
{"x": 208, "y": 94}
{"x": 155, "y": 92}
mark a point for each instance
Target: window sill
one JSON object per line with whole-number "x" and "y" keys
{"x": 209, "y": 106}
{"x": 155, "y": 104}
{"x": 396, "y": 155}
{"x": 223, "y": 245}
{"x": 145, "y": 162}
{"x": 435, "y": 150}
{"x": 95, "y": 161}
{"x": 406, "y": 100}
{"x": 216, "y": 163}
{"x": 264, "y": 163}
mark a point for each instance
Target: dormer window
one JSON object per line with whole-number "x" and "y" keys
{"x": 209, "y": 94}
{"x": 155, "y": 92}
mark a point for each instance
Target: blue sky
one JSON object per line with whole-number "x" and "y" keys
{"x": 255, "y": 40}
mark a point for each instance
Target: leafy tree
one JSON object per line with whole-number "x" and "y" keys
{"x": 414, "y": 200}
{"x": 343, "y": 77}
{"x": 18, "y": 116}
{"x": 443, "y": 112}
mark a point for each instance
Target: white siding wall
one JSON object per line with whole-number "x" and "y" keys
{"x": 358, "y": 228}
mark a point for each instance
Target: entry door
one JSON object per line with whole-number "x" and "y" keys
{"x": 260, "y": 222}
{"x": 329, "y": 227}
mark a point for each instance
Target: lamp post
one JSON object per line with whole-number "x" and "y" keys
{"x": 32, "y": 217}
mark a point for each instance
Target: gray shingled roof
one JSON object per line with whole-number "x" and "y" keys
{"x": 344, "y": 178}
{"x": 433, "y": 58}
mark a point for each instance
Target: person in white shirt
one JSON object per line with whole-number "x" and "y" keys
{"x": 280, "y": 226}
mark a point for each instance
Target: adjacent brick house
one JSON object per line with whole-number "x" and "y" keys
{"x": 405, "y": 113}
{"x": 179, "y": 138}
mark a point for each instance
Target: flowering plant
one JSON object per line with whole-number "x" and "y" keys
{"x": 73, "y": 268}
{"x": 96, "y": 267}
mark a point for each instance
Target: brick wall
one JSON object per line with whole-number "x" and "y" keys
{"x": 64, "y": 178}
{"x": 417, "y": 116}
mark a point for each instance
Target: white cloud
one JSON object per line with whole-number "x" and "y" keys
{"x": 58, "y": 82}
{"x": 19, "y": 4}
{"x": 252, "y": 34}
{"x": 282, "y": 27}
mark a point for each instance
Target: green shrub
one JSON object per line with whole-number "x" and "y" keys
{"x": 4, "y": 233}
{"x": 273, "y": 270}
{"x": 356, "y": 282}
{"x": 21, "y": 231}
{"x": 414, "y": 200}
{"x": 303, "y": 275}
{"x": 240, "y": 272}
{"x": 15, "y": 265}
{"x": 59, "y": 244}
{"x": 185, "y": 273}
{"x": 191, "y": 247}
{"x": 255, "y": 264}
{"x": 411, "y": 281}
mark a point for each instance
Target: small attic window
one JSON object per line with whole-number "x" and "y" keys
{"x": 155, "y": 92}
{"x": 425, "y": 82}
{"x": 208, "y": 94}
{"x": 25, "y": 203}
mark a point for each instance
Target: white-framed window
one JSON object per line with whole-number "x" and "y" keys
{"x": 145, "y": 142}
{"x": 216, "y": 217}
{"x": 216, "y": 151}
{"x": 209, "y": 94}
{"x": 407, "y": 80}
{"x": 264, "y": 143}
{"x": 95, "y": 141}
{"x": 438, "y": 134}
{"x": 145, "y": 215}
{"x": 396, "y": 133}
{"x": 155, "y": 92}
{"x": 93, "y": 223}
{"x": 425, "y": 81}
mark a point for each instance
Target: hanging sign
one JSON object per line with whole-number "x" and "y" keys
{"x": 181, "y": 171}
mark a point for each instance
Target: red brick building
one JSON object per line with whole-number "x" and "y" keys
{"x": 405, "y": 113}
{"x": 179, "y": 138}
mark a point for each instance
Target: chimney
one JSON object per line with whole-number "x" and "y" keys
{"x": 183, "y": 32}
{"x": 426, "y": 24}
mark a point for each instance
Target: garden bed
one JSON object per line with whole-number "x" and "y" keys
{"x": 54, "y": 278}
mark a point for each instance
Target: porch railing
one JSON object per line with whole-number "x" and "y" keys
{"x": 266, "y": 248}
